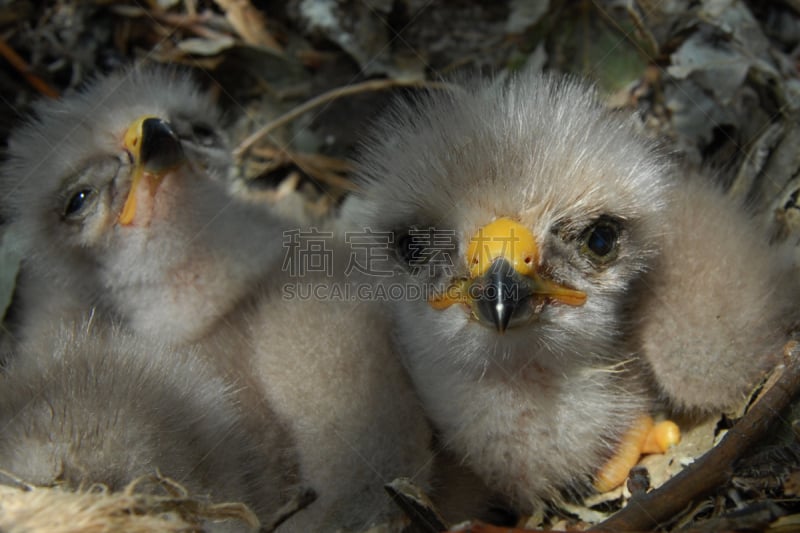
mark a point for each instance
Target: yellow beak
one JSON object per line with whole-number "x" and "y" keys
{"x": 504, "y": 285}
{"x": 156, "y": 150}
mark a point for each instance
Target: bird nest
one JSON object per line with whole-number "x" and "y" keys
{"x": 137, "y": 508}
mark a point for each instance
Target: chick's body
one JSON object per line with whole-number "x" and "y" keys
{"x": 357, "y": 423}
{"x": 540, "y": 407}
{"x": 533, "y": 358}
{"x": 83, "y": 404}
{"x": 191, "y": 266}
{"x": 719, "y": 304}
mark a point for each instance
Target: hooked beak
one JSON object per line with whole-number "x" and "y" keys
{"x": 156, "y": 150}
{"x": 505, "y": 287}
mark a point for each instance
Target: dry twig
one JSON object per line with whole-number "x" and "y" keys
{"x": 23, "y": 68}
{"x": 416, "y": 505}
{"x": 339, "y": 92}
{"x": 321, "y": 168}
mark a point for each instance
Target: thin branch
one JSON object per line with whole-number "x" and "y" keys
{"x": 416, "y": 505}
{"x": 23, "y": 68}
{"x": 319, "y": 167}
{"x": 367, "y": 86}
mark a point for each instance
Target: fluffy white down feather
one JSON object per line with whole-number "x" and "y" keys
{"x": 84, "y": 404}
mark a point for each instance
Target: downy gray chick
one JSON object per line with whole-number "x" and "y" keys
{"x": 118, "y": 193}
{"x": 185, "y": 263}
{"x": 84, "y": 404}
{"x": 557, "y": 251}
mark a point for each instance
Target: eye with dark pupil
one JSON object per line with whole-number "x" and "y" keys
{"x": 78, "y": 201}
{"x": 602, "y": 239}
{"x": 406, "y": 250}
{"x": 204, "y": 134}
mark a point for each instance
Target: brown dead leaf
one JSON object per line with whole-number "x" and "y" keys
{"x": 791, "y": 487}
{"x": 249, "y": 23}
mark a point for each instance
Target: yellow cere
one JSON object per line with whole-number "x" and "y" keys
{"x": 503, "y": 238}
{"x": 132, "y": 141}
{"x": 516, "y": 244}
{"x": 507, "y": 239}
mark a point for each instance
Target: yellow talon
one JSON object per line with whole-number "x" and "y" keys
{"x": 661, "y": 437}
{"x": 642, "y": 438}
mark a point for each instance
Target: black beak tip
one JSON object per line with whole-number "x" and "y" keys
{"x": 161, "y": 147}
{"x": 497, "y": 312}
{"x": 501, "y": 316}
{"x": 501, "y": 296}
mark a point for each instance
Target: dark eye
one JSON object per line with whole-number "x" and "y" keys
{"x": 204, "y": 135}
{"x": 404, "y": 246}
{"x": 600, "y": 240}
{"x": 78, "y": 202}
